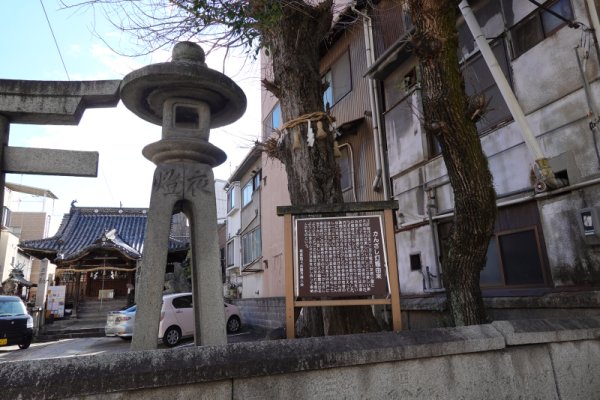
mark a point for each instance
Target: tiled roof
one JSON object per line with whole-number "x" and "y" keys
{"x": 87, "y": 228}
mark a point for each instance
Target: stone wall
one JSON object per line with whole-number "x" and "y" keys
{"x": 541, "y": 359}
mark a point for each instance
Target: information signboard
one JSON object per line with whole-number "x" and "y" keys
{"x": 56, "y": 301}
{"x": 340, "y": 257}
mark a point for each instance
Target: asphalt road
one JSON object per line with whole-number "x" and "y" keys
{"x": 99, "y": 345}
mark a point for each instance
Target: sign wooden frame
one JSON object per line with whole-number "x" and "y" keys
{"x": 291, "y": 302}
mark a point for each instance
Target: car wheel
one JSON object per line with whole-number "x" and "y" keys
{"x": 24, "y": 345}
{"x": 233, "y": 324}
{"x": 172, "y": 336}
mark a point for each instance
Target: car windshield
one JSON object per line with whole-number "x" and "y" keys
{"x": 12, "y": 307}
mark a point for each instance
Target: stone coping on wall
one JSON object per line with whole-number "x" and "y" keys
{"x": 120, "y": 372}
{"x": 559, "y": 299}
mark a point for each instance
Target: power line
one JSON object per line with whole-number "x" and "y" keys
{"x": 55, "y": 41}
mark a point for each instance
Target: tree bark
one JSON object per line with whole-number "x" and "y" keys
{"x": 313, "y": 176}
{"x": 445, "y": 115}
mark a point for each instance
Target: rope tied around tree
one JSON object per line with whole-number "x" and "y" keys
{"x": 275, "y": 141}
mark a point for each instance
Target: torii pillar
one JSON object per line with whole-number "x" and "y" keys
{"x": 187, "y": 98}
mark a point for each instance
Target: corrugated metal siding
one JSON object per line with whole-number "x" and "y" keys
{"x": 388, "y": 24}
{"x": 363, "y": 164}
{"x": 352, "y": 107}
{"x": 354, "y": 104}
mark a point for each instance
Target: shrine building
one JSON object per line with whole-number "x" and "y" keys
{"x": 97, "y": 251}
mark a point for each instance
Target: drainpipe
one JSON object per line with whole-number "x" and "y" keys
{"x": 595, "y": 23}
{"x": 381, "y": 180}
{"x": 431, "y": 205}
{"x": 544, "y": 174}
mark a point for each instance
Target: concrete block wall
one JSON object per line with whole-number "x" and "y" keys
{"x": 266, "y": 312}
{"x": 431, "y": 311}
{"x": 528, "y": 359}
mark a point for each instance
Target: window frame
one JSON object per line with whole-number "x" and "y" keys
{"x": 270, "y": 123}
{"x": 506, "y": 69}
{"x": 230, "y": 258}
{"x": 345, "y": 149}
{"x": 502, "y": 262}
{"x": 329, "y": 78}
{"x": 231, "y": 199}
{"x": 253, "y": 184}
{"x": 246, "y": 201}
{"x": 255, "y": 246}
{"x": 536, "y": 17}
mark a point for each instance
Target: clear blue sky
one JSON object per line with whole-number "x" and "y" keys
{"x": 29, "y": 52}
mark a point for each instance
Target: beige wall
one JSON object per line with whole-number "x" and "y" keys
{"x": 8, "y": 251}
{"x": 33, "y": 225}
{"x": 275, "y": 194}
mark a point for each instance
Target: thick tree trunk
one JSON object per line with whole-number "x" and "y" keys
{"x": 445, "y": 116}
{"x": 312, "y": 171}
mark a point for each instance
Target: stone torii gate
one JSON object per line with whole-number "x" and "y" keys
{"x": 49, "y": 103}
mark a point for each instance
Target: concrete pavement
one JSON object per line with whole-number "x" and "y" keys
{"x": 83, "y": 346}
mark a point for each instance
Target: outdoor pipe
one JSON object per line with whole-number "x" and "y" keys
{"x": 543, "y": 170}
{"x": 380, "y": 178}
{"x": 595, "y": 23}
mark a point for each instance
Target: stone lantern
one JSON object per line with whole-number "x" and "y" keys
{"x": 187, "y": 98}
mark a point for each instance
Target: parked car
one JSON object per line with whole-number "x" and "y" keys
{"x": 16, "y": 325}
{"x": 120, "y": 323}
{"x": 176, "y": 319}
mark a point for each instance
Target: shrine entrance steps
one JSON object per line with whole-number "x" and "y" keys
{"x": 89, "y": 320}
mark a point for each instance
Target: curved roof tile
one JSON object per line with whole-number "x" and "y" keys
{"x": 86, "y": 228}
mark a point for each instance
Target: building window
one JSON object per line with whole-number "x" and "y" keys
{"x": 272, "y": 121}
{"x": 251, "y": 246}
{"x": 480, "y": 82}
{"x": 230, "y": 253}
{"x": 513, "y": 259}
{"x": 6, "y": 214}
{"x": 415, "y": 262}
{"x": 247, "y": 194}
{"x": 256, "y": 180}
{"x": 345, "y": 165}
{"x": 435, "y": 148}
{"x": 539, "y": 25}
{"x": 338, "y": 81}
{"x": 231, "y": 199}
{"x": 249, "y": 189}
{"x": 516, "y": 253}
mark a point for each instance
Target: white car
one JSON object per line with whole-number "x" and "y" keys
{"x": 176, "y": 319}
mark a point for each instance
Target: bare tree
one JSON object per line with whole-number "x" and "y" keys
{"x": 446, "y": 115}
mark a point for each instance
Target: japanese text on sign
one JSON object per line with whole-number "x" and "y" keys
{"x": 340, "y": 257}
